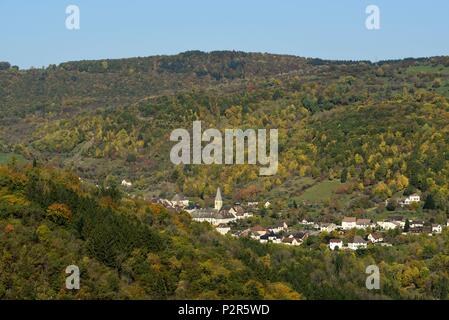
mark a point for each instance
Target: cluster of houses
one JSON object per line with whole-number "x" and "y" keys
{"x": 280, "y": 234}
{"x": 350, "y": 223}
{"x": 357, "y": 242}
{"x": 219, "y": 216}
{"x": 276, "y": 234}
{"x": 178, "y": 202}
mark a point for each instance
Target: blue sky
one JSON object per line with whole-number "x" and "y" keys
{"x": 33, "y": 33}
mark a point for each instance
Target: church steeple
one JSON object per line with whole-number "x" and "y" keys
{"x": 218, "y": 200}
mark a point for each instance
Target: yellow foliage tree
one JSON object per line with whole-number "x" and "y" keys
{"x": 59, "y": 213}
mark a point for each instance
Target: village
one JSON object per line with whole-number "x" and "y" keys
{"x": 361, "y": 232}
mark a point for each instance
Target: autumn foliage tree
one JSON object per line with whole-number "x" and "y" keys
{"x": 59, "y": 213}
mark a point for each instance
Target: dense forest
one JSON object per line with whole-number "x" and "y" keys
{"x": 70, "y": 132}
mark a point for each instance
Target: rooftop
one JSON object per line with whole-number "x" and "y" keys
{"x": 358, "y": 239}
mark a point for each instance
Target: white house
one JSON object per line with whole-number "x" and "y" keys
{"x": 335, "y": 244}
{"x": 375, "y": 237}
{"x": 399, "y": 220}
{"x": 357, "y": 243}
{"x": 392, "y": 223}
{"x": 437, "y": 228}
{"x": 388, "y": 225}
{"x": 223, "y": 229}
{"x": 300, "y": 236}
{"x": 328, "y": 227}
{"x": 416, "y": 224}
{"x": 280, "y": 227}
{"x": 239, "y": 212}
{"x": 291, "y": 241}
{"x": 269, "y": 237}
{"x": 363, "y": 223}
{"x": 267, "y": 204}
{"x": 349, "y": 223}
{"x": 274, "y": 238}
{"x": 126, "y": 183}
{"x": 307, "y": 223}
{"x": 253, "y": 204}
{"x": 411, "y": 199}
{"x": 258, "y": 230}
{"x": 179, "y": 201}
{"x": 414, "y": 198}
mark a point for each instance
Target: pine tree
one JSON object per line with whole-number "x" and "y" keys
{"x": 429, "y": 204}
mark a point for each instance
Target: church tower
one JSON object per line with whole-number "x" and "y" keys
{"x": 218, "y": 200}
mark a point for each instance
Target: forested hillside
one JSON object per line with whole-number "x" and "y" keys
{"x": 131, "y": 249}
{"x": 69, "y": 133}
{"x": 376, "y": 123}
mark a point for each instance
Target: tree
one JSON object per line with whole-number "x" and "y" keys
{"x": 111, "y": 189}
{"x": 59, "y": 213}
{"x": 344, "y": 175}
{"x": 391, "y": 205}
{"x": 407, "y": 225}
{"x": 4, "y": 65}
{"x": 43, "y": 233}
{"x": 382, "y": 190}
{"x": 429, "y": 204}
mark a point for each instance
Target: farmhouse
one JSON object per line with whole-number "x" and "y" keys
{"x": 239, "y": 212}
{"x": 126, "y": 183}
{"x": 180, "y": 201}
{"x": 388, "y": 225}
{"x": 375, "y": 237}
{"x": 223, "y": 229}
{"x": 437, "y": 228}
{"x": 291, "y": 241}
{"x": 416, "y": 224}
{"x": 302, "y": 236}
{"x": 328, "y": 227}
{"x": 258, "y": 230}
{"x": 363, "y": 223}
{"x": 280, "y": 227}
{"x": 335, "y": 244}
{"x": 349, "y": 223}
{"x": 357, "y": 243}
{"x": 414, "y": 198}
{"x": 269, "y": 237}
{"x": 399, "y": 220}
{"x": 307, "y": 223}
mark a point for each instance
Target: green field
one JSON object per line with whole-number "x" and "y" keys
{"x": 321, "y": 191}
{"x": 6, "y": 157}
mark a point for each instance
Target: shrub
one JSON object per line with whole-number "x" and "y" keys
{"x": 59, "y": 213}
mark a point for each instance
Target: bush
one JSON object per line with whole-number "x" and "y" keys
{"x": 59, "y": 213}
